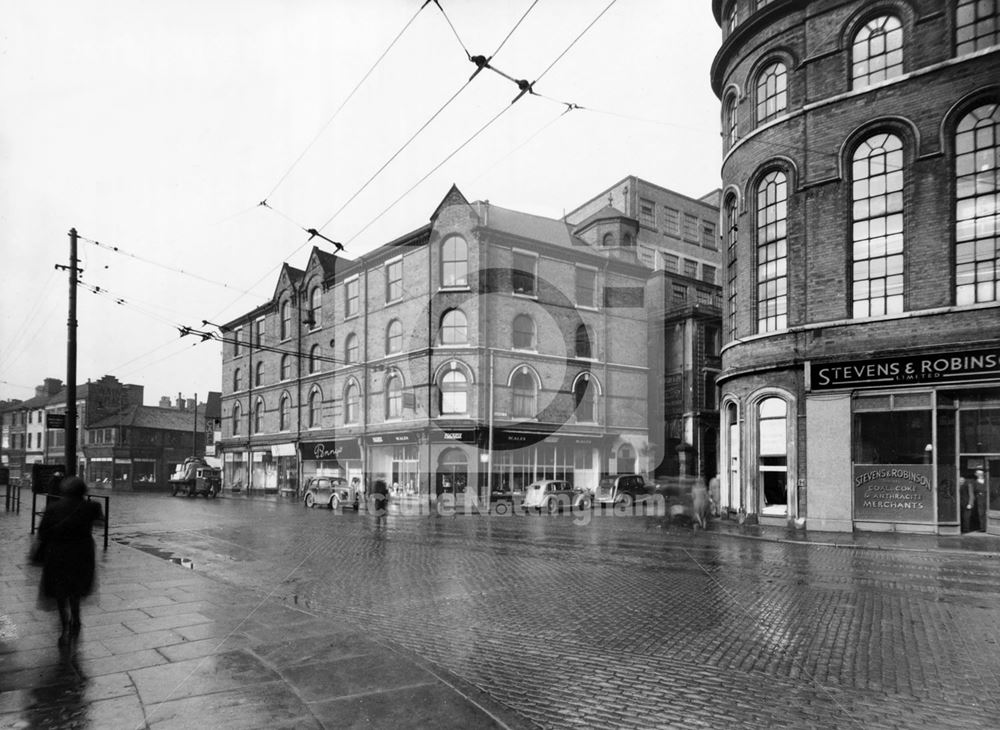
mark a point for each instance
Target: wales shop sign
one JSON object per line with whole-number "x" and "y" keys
{"x": 893, "y": 492}
{"x": 945, "y": 367}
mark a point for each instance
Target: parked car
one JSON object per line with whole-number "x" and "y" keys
{"x": 623, "y": 490}
{"x": 554, "y": 495}
{"x": 332, "y": 492}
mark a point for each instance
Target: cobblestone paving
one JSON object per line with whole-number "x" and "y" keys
{"x": 627, "y": 622}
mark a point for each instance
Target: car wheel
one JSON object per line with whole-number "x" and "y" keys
{"x": 310, "y": 500}
{"x": 625, "y": 500}
{"x": 586, "y": 504}
{"x": 551, "y": 506}
{"x": 334, "y": 502}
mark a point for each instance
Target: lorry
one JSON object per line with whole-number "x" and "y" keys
{"x": 195, "y": 477}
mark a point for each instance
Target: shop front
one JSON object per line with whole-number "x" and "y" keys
{"x": 332, "y": 458}
{"x": 235, "y": 475}
{"x": 395, "y": 457}
{"x": 908, "y": 444}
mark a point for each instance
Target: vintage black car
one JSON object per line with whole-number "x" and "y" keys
{"x": 331, "y": 492}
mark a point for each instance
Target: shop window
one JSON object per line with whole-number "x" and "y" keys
{"x": 454, "y": 328}
{"x": 394, "y": 337}
{"x": 351, "y": 348}
{"x": 772, "y": 94}
{"x": 877, "y": 176}
{"x": 772, "y": 252}
{"x": 892, "y": 437}
{"x": 772, "y": 454}
{"x": 524, "y": 332}
{"x": 877, "y": 52}
{"x": 454, "y": 262}
{"x": 454, "y": 393}
{"x": 284, "y": 413}
{"x": 976, "y": 25}
{"x": 977, "y": 206}
{"x": 524, "y": 403}
{"x": 286, "y": 320}
{"x": 452, "y": 472}
{"x": 393, "y": 397}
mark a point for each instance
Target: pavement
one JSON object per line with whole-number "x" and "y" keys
{"x": 163, "y": 646}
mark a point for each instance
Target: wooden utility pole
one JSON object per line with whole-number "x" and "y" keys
{"x": 71, "y": 360}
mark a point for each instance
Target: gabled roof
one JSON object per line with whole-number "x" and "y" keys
{"x": 165, "y": 419}
{"x": 526, "y": 225}
{"x": 326, "y": 260}
{"x": 290, "y": 277}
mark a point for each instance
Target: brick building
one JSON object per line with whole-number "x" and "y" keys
{"x": 861, "y": 365}
{"x": 481, "y": 351}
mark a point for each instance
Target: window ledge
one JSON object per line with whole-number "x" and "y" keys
{"x": 522, "y": 295}
{"x": 456, "y": 288}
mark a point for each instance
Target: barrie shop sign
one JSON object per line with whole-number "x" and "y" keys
{"x": 908, "y": 370}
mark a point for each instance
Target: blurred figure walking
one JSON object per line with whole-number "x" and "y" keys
{"x": 68, "y": 553}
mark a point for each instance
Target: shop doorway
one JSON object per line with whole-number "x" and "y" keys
{"x": 452, "y": 472}
{"x": 981, "y": 472}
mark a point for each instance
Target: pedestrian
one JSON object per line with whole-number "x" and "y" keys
{"x": 67, "y": 546}
{"x": 979, "y": 489}
{"x": 699, "y": 504}
{"x": 380, "y": 498}
{"x": 967, "y": 500}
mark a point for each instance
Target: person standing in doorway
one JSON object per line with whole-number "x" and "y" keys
{"x": 979, "y": 489}
{"x": 967, "y": 499}
{"x": 69, "y": 565}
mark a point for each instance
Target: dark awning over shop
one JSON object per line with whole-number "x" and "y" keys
{"x": 330, "y": 450}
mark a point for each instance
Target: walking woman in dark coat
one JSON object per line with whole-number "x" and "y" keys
{"x": 68, "y": 546}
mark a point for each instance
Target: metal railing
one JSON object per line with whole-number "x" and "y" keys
{"x": 12, "y": 498}
{"x": 35, "y": 512}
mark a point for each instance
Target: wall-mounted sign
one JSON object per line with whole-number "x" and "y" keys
{"x": 943, "y": 367}
{"x": 383, "y": 439}
{"x": 893, "y": 492}
{"x": 330, "y": 450}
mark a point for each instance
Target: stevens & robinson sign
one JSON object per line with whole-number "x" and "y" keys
{"x": 893, "y": 492}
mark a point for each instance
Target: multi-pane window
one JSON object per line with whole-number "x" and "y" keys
{"x": 394, "y": 397}
{"x": 258, "y": 378}
{"x": 586, "y": 287}
{"x": 647, "y": 213}
{"x": 731, "y": 212}
{"x": 237, "y": 418}
{"x": 732, "y": 120}
{"x": 314, "y": 354}
{"x": 772, "y": 252}
{"x": 352, "y": 403}
{"x": 394, "y": 280}
{"x": 583, "y": 399}
{"x": 394, "y": 337}
{"x": 454, "y": 392}
{"x": 286, "y": 320}
{"x": 454, "y": 328}
{"x": 284, "y": 413}
{"x": 679, "y": 292}
{"x": 454, "y": 262}
{"x": 260, "y": 331}
{"x": 315, "y": 400}
{"x": 877, "y": 191}
{"x": 977, "y": 206}
{"x": 286, "y": 367}
{"x": 691, "y": 268}
{"x": 584, "y": 342}
{"x": 315, "y": 308}
{"x": 732, "y": 17}
{"x": 877, "y": 53}
{"x": 351, "y": 297}
{"x": 708, "y": 235}
{"x": 523, "y": 273}
{"x": 258, "y": 416}
{"x": 237, "y": 336}
{"x": 670, "y": 262}
{"x": 524, "y": 332}
{"x": 690, "y": 227}
{"x": 976, "y": 25}
{"x": 671, "y": 221}
{"x": 772, "y": 92}
{"x": 708, "y": 273}
{"x": 524, "y": 401}
{"x": 351, "y": 348}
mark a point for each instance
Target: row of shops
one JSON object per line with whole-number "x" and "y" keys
{"x": 431, "y": 463}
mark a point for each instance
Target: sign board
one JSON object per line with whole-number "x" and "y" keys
{"x": 383, "y": 439}
{"x": 55, "y": 420}
{"x": 330, "y": 450}
{"x": 893, "y": 492}
{"x": 941, "y": 368}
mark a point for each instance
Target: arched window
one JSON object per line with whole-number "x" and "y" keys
{"x": 772, "y": 252}
{"x": 627, "y": 240}
{"x": 351, "y": 348}
{"x": 284, "y": 413}
{"x": 772, "y": 455}
{"x": 608, "y": 240}
{"x": 394, "y": 337}
{"x": 585, "y": 399}
{"x": 772, "y": 94}
{"x": 258, "y": 416}
{"x": 731, "y": 213}
{"x": 454, "y": 328}
{"x": 315, "y": 308}
{"x": 584, "y": 342}
{"x": 314, "y": 355}
{"x": 877, "y": 52}
{"x": 977, "y": 206}
{"x": 454, "y": 393}
{"x": 237, "y": 418}
{"x": 393, "y": 397}
{"x": 315, "y": 402}
{"x": 877, "y": 177}
{"x": 454, "y": 262}
{"x": 286, "y": 367}
{"x": 286, "y": 320}
{"x": 524, "y": 402}
{"x": 352, "y": 403}
{"x": 731, "y": 120}
{"x": 237, "y": 379}
{"x": 732, "y": 17}
{"x": 524, "y": 332}
{"x": 258, "y": 378}
{"x": 976, "y": 25}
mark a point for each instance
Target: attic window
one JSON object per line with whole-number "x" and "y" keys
{"x": 609, "y": 240}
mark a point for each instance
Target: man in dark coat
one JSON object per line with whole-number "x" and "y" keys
{"x": 68, "y": 548}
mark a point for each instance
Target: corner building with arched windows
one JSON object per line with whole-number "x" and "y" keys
{"x": 860, "y": 384}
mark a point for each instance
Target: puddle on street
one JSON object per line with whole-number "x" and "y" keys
{"x": 158, "y": 552}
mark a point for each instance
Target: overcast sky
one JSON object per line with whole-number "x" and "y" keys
{"x": 157, "y": 127}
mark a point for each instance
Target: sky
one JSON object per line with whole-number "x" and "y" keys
{"x": 156, "y": 129}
